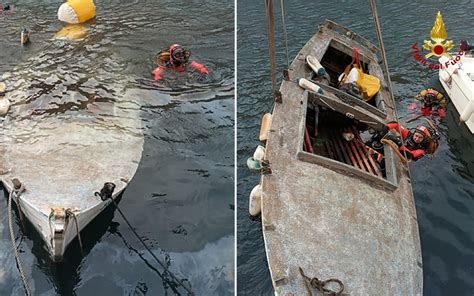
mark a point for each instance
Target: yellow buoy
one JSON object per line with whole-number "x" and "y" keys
{"x": 76, "y": 11}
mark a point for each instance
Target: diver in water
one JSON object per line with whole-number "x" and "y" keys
{"x": 418, "y": 142}
{"x": 176, "y": 59}
{"x": 5, "y": 7}
{"x": 466, "y": 46}
{"x": 433, "y": 101}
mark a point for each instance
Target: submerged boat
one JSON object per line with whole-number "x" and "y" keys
{"x": 458, "y": 82}
{"x": 62, "y": 161}
{"x": 329, "y": 209}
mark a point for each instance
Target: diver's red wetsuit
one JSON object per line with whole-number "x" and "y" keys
{"x": 413, "y": 150}
{"x": 158, "y": 72}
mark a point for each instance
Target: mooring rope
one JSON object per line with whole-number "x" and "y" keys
{"x": 16, "y": 193}
{"x": 178, "y": 281}
{"x": 20, "y": 211}
{"x": 70, "y": 213}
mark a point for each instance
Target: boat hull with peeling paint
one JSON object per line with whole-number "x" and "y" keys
{"x": 331, "y": 218}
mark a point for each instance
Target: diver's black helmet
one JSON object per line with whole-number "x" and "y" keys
{"x": 178, "y": 55}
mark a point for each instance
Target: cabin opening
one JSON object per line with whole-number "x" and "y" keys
{"x": 335, "y": 136}
{"x": 335, "y": 60}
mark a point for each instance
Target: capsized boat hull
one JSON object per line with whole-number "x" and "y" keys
{"x": 63, "y": 165}
{"x": 328, "y": 218}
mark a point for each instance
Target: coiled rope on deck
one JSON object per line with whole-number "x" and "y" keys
{"x": 15, "y": 193}
{"x": 321, "y": 286}
{"x": 178, "y": 281}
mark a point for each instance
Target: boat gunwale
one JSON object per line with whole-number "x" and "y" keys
{"x": 344, "y": 31}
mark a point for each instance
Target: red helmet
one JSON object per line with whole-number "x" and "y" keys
{"x": 424, "y": 131}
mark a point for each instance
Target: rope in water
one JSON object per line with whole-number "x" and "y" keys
{"x": 16, "y": 193}
{"x": 178, "y": 281}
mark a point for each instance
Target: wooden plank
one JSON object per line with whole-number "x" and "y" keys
{"x": 340, "y": 148}
{"x": 338, "y": 152}
{"x": 353, "y": 149}
{"x": 360, "y": 148}
{"x": 307, "y": 140}
{"x": 350, "y": 99}
{"x": 329, "y": 150}
{"x": 375, "y": 167}
{"x": 346, "y": 148}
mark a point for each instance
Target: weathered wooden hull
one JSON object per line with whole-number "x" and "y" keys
{"x": 330, "y": 219}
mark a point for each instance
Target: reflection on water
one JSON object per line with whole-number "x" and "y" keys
{"x": 442, "y": 185}
{"x": 180, "y": 200}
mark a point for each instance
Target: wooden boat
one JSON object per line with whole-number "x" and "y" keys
{"x": 62, "y": 166}
{"x": 458, "y": 82}
{"x": 334, "y": 212}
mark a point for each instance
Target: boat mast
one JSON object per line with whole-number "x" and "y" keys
{"x": 375, "y": 16}
{"x": 271, "y": 43}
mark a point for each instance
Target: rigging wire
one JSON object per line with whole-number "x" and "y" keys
{"x": 285, "y": 36}
{"x": 271, "y": 43}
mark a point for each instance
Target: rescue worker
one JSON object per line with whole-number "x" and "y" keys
{"x": 5, "y": 7}
{"x": 418, "y": 142}
{"x": 433, "y": 101}
{"x": 176, "y": 59}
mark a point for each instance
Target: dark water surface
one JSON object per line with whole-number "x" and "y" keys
{"x": 443, "y": 185}
{"x": 181, "y": 198}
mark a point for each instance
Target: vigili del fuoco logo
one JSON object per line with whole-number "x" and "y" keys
{"x": 438, "y": 46}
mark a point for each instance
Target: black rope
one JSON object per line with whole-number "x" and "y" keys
{"x": 320, "y": 285}
{"x": 15, "y": 193}
{"x": 104, "y": 196}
